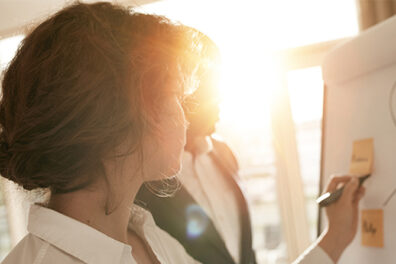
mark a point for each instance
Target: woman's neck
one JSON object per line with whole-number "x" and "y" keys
{"x": 89, "y": 206}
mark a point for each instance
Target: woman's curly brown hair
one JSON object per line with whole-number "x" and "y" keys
{"x": 83, "y": 82}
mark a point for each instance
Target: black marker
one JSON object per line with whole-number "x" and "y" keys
{"x": 329, "y": 198}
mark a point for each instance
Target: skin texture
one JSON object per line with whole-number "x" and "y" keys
{"x": 342, "y": 216}
{"x": 124, "y": 178}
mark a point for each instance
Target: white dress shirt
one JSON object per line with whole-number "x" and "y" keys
{"x": 314, "y": 255}
{"x": 56, "y": 238}
{"x": 206, "y": 184}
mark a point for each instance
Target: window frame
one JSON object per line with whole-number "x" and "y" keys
{"x": 291, "y": 205}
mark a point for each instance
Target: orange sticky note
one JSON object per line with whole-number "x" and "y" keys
{"x": 373, "y": 228}
{"x": 362, "y": 157}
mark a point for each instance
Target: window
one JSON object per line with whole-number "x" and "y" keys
{"x": 306, "y": 96}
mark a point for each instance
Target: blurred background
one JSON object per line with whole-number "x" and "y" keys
{"x": 271, "y": 93}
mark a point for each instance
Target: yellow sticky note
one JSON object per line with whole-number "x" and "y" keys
{"x": 373, "y": 228}
{"x": 362, "y": 157}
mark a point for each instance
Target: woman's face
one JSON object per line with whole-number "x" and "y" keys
{"x": 163, "y": 149}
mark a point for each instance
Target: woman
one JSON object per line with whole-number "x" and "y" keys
{"x": 90, "y": 110}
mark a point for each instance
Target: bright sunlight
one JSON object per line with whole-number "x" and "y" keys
{"x": 248, "y": 33}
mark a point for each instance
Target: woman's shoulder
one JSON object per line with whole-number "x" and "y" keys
{"x": 166, "y": 248}
{"x": 25, "y": 251}
{"x": 32, "y": 249}
{"x": 172, "y": 250}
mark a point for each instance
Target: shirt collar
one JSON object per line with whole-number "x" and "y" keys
{"x": 140, "y": 220}
{"x": 76, "y": 238}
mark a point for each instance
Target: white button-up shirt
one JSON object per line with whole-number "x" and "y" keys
{"x": 314, "y": 255}
{"x": 206, "y": 184}
{"x": 56, "y": 238}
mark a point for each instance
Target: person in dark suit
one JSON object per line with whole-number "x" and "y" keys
{"x": 209, "y": 214}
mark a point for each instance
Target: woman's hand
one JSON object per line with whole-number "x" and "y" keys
{"x": 342, "y": 216}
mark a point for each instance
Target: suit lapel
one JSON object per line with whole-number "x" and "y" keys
{"x": 180, "y": 202}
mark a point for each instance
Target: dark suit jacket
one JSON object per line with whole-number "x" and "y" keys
{"x": 201, "y": 239}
